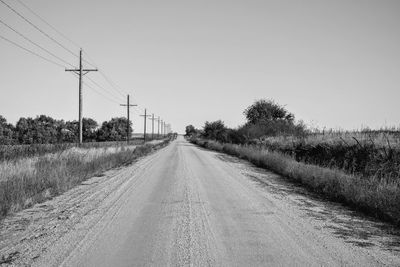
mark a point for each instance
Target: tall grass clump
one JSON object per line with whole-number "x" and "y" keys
{"x": 26, "y": 181}
{"x": 377, "y": 197}
{"x": 14, "y": 152}
{"x": 358, "y": 153}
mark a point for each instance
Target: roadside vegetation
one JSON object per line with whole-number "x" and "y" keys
{"x": 26, "y": 181}
{"x": 14, "y": 152}
{"x": 360, "y": 168}
{"x": 46, "y": 130}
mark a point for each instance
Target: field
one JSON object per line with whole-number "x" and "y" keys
{"x": 13, "y": 152}
{"x": 361, "y": 170}
{"x": 368, "y": 154}
{"x": 31, "y": 174}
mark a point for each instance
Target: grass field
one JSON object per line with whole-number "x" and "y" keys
{"x": 28, "y": 180}
{"x": 376, "y": 195}
{"x": 368, "y": 154}
{"x": 13, "y": 152}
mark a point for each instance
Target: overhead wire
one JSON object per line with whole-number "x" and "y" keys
{"x": 97, "y": 91}
{"x": 37, "y": 28}
{"x": 101, "y": 87}
{"x": 34, "y": 43}
{"x": 48, "y": 24}
{"x": 100, "y": 93}
{"x": 30, "y": 51}
{"x": 113, "y": 84}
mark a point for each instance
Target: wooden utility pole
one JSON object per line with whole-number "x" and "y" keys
{"x": 158, "y": 127}
{"x": 145, "y": 119}
{"x": 161, "y": 127}
{"x": 128, "y": 130}
{"x": 81, "y": 71}
{"x": 152, "y": 126}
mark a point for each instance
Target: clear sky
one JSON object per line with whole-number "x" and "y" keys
{"x": 332, "y": 63}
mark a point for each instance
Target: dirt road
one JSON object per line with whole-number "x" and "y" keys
{"x": 186, "y": 206}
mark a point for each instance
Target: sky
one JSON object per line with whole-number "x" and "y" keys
{"x": 334, "y": 64}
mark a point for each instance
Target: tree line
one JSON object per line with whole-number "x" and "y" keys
{"x": 264, "y": 118}
{"x": 46, "y": 130}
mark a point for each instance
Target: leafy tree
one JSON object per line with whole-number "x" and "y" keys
{"x": 215, "y": 130}
{"x": 69, "y": 132}
{"x": 190, "y": 130}
{"x": 41, "y": 130}
{"x": 6, "y": 132}
{"x": 24, "y": 130}
{"x": 264, "y": 111}
{"x": 89, "y": 127}
{"x": 113, "y": 130}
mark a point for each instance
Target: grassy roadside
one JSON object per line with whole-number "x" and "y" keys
{"x": 355, "y": 153}
{"x": 32, "y": 180}
{"x": 377, "y": 197}
{"x": 15, "y": 152}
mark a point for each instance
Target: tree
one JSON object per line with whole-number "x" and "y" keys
{"x": 41, "y": 130}
{"x": 264, "y": 111}
{"x": 89, "y": 127}
{"x": 6, "y": 132}
{"x": 190, "y": 130}
{"x": 113, "y": 130}
{"x": 215, "y": 130}
{"x": 23, "y": 131}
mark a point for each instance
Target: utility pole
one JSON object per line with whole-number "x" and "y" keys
{"x": 81, "y": 71}
{"x": 158, "y": 127}
{"x": 152, "y": 126}
{"x": 145, "y": 119}
{"x": 163, "y": 128}
{"x": 128, "y": 130}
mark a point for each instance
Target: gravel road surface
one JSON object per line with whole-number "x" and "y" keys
{"x": 186, "y": 206}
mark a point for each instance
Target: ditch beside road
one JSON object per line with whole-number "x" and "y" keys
{"x": 184, "y": 205}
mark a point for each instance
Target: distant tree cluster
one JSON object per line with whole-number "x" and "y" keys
{"x": 46, "y": 130}
{"x": 264, "y": 118}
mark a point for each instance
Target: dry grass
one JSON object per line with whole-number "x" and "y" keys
{"x": 379, "y": 139}
{"x": 26, "y": 181}
{"x": 14, "y": 152}
{"x": 369, "y": 154}
{"x": 378, "y": 197}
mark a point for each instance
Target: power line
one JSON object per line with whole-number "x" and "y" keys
{"x": 96, "y": 91}
{"x": 55, "y": 29}
{"x": 37, "y": 28}
{"x": 30, "y": 51}
{"x": 88, "y": 62}
{"x": 32, "y": 42}
{"x": 113, "y": 84}
{"x": 51, "y": 38}
{"x": 100, "y": 93}
{"x": 48, "y": 24}
{"x": 98, "y": 85}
